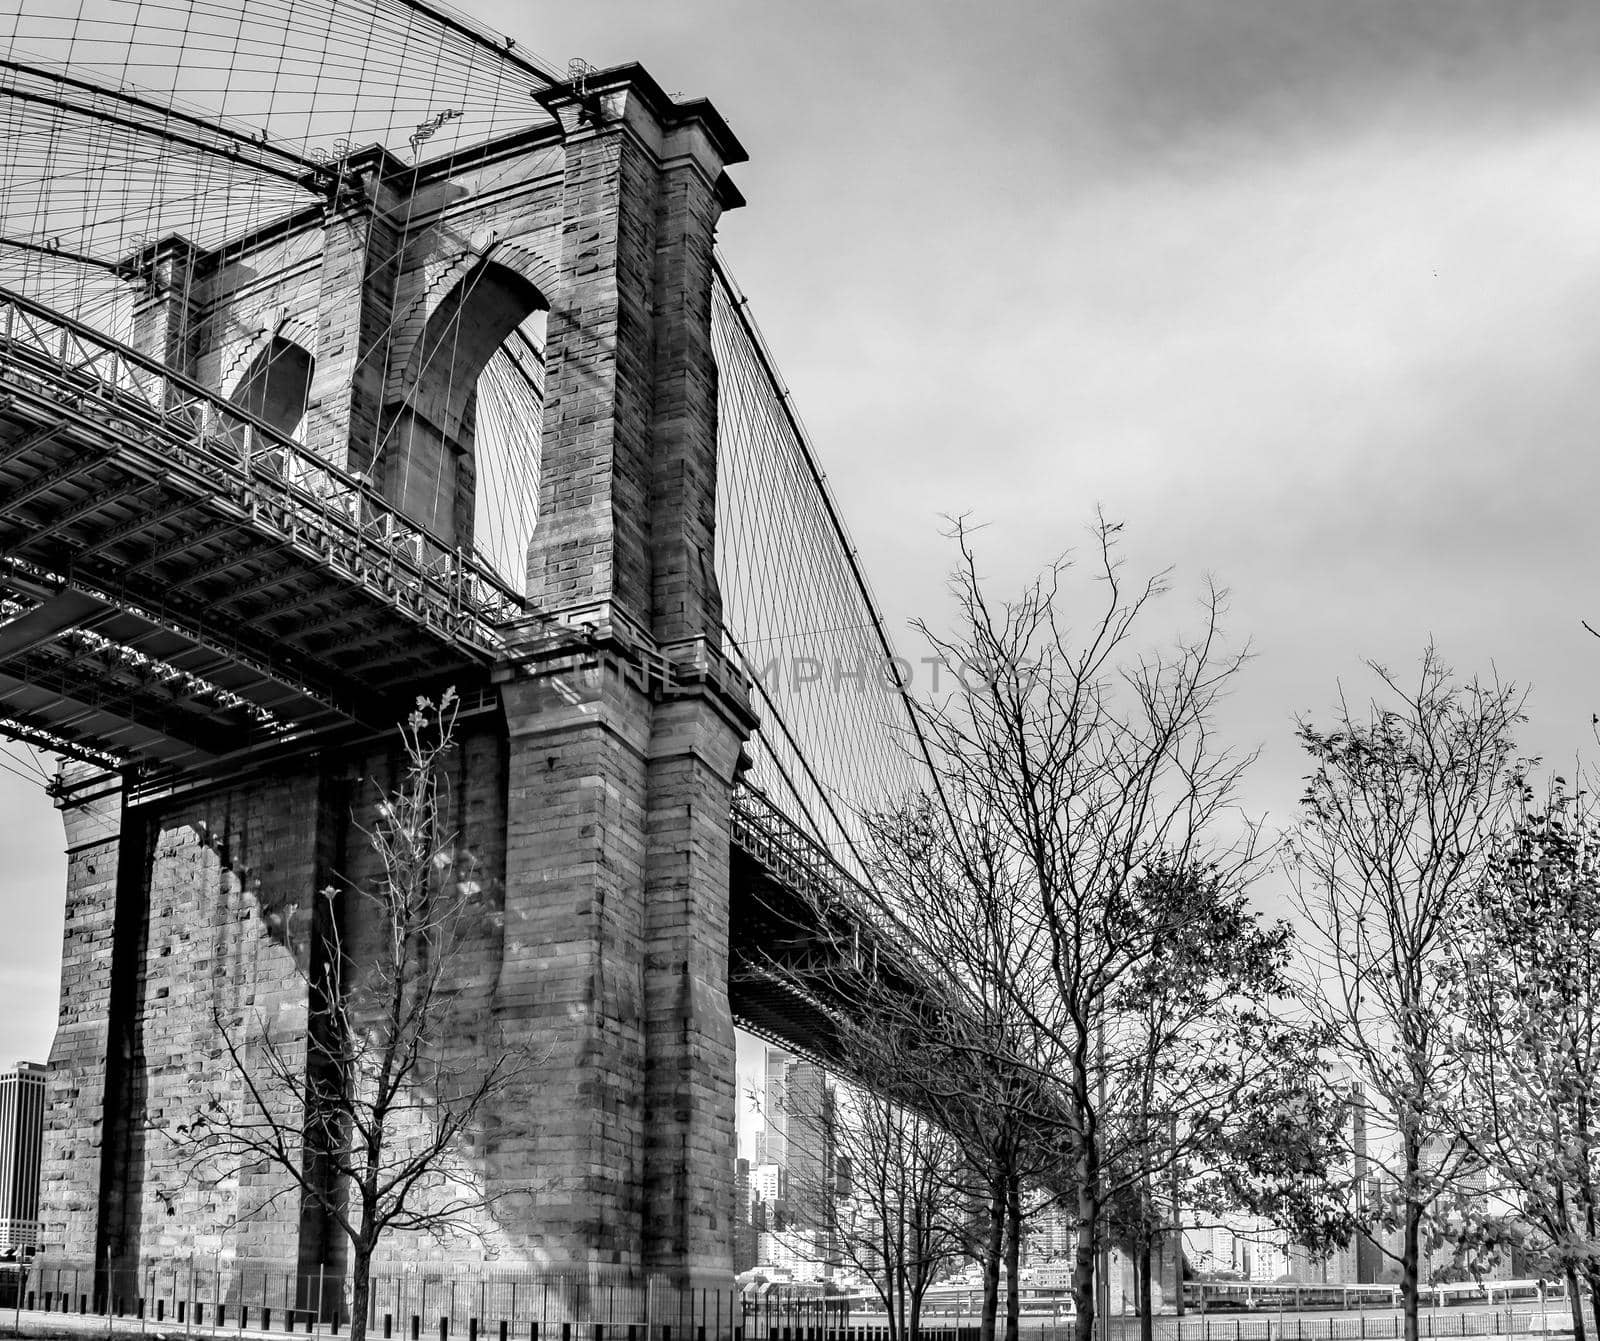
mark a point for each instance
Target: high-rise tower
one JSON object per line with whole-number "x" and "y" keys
{"x": 21, "y": 1134}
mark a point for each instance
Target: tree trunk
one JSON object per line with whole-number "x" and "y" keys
{"x": 360, "y": 1287}
{"x": 883, "y": 1277}
{"x": 1013, "y": 1257}
{"x": 1176, "y": 1234}
{"x": 991, "y": 1259}
{"x": 903, "y": 1295}
{"x": 1592, "y": 1278}
{"x": 1147, "y": 1323}
{"x": 1083, "y": 1264}
{"x": 1574, "y": 1303}
{"x": 1586, "y": 1199}
{"x": 1411, "y": 1262}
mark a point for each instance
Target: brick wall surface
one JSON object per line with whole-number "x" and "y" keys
{"x": 231, "y": 884}
{"x": 70, "y": 1172}
{"x": 690, "y": 1072}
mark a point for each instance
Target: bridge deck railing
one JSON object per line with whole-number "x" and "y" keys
{"x": 849, "y": 907}
{"x": 156, "y": 414}
{"x": 789, "y": 852}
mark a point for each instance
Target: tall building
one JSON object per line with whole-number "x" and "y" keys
{"x": 744, "y": 1231}
{"x": 774, "y": 1110}
{"x": 789, "y": 1251}
{"x": 21, "y": 1137}
{"x": 1052, "y": 1232}
{"x": 1210, "y": 1249}
{"x": 795, "y": 1189}
{"x": 1369, "y": 1255}
{"x": 1361, "y": 1261}
{"x": 769, "y": 1200}
{"x": 769, "y": 1183}
{"x": 808, "y": 1136}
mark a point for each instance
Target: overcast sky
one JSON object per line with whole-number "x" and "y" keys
{"x": 1304, "y": 293}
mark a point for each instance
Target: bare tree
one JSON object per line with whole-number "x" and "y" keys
{"x": 1088, "y": 758}
{"x": 372, "y": 1113}
{"x": 956, "y": 1046}
{"x": 1078, "y": 852}
{"x": 1398, "y": 819}
{"x": 891, "y": 1202}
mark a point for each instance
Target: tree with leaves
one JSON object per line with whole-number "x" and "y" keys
{"x": 1225, "y": 1097}
{"x": 1526, "y": 994}
{"x": 1399, "y": 818}
{"x": 371, "y": 1115}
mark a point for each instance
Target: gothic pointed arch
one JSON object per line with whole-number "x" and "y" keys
{"x": 428, "y": 456}
{"x": 275, "y": 384}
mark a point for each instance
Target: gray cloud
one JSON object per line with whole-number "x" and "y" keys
{"x": 1171, "y": 73}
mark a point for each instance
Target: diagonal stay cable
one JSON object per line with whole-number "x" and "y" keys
{"x": 800, "y": 755}
{"x": 504, "y": 49}
{"x": 260, "y": 153}
{"x": 740, "y": 307}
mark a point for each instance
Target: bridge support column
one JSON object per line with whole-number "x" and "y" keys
{"x": 690, "y": 1065}
{"x": 79, "y": 1148}
{"x": 571, "y": 980}
{"x": 187, "y": 911}
{"x": 165, "y": 324}
{"x": 622, "y": 733}
{"x": 616, "y": 960}
{"x": 355, "y": 309}
{"x": 623, "y": 754}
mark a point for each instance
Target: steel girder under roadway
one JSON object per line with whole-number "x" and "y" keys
{"x": 790, "y": 903}
{"x": 179, "y": 581}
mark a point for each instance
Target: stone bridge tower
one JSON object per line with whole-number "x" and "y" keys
{"x": 594, "y": 764}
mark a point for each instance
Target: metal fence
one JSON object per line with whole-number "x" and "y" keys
{"x": 1364, "y": 1326}
{"x": 216, "y": 1296}
{"x": 1046, "y": 1324}
{"x": 219, "y": 1295}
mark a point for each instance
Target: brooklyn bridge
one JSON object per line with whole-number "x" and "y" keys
{"x": 350, "y": 356}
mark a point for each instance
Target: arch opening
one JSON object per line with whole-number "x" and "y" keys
{"x": 459, "y": 448}
{"x": 277, "y": 386}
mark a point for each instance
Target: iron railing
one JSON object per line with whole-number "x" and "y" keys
{"x": 81, "y": 377}
{"x": 217, "y": 1297}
